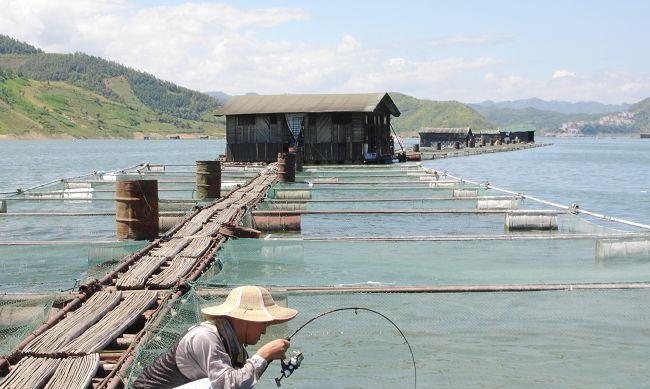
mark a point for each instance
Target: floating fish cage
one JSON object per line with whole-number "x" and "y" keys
{"x": 492, "y": 288}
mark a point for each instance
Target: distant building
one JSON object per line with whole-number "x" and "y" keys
{"x": 489, "y": 135}
{"x": 523, "y": 134}
{"x": 429, "y": 136}
{"x": 330, "y": 128}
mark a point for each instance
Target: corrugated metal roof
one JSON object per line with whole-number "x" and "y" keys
{"x": 462, "y": 130}
{"x": 358, "y": 102}
{"x": 518, "y": 129}
{"x": 488, "y": 131}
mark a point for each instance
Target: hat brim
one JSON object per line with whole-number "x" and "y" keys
{"x": 274, "y": 314}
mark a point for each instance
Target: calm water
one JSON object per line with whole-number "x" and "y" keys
{"x": 578, "y": 339}
{"x": 611, "y": 176}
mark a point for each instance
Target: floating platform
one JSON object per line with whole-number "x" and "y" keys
{"x": 465, "y": 268}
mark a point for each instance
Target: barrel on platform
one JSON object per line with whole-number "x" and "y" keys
{"x": 208, "y": 179}
{"x": 136, "y": 209}
{"x": 287, "y": 167}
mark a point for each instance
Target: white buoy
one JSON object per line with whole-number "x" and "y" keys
{"x": 492, "y": 203}
{"x": 531, "y": 221}
{"x": 292, "y": 194}
{"x": 465, "y": 193}
{"x": 607, "y": 249}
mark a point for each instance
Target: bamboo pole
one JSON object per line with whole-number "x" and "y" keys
{"x": 461, "y": 238}
{"x": 384, "y": 199}
{"x": 403, "y": 211}
{"x": 440, "y": 288}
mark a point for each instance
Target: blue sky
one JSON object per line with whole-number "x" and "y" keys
{"x": 445, "y": 50}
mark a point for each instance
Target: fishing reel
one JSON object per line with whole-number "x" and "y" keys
{"x": 287, "y": 368}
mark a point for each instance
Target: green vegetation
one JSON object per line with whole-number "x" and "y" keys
{"x": 418, "y": 113}
{"x": 9, "y": 45}
{"x": 531, "y": 117}
{"x": 642, "y": 114}
{"x": 58, "y": 109}
{"x": 81, "y": 96}
{"x": 91, "y": 72}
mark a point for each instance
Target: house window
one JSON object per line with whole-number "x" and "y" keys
{"x": 246, "y": 120}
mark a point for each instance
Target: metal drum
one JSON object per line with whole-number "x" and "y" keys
{"x": 208, "y": 179}
{"x": 287, "y": 167}
{"x": 136, "y": 209}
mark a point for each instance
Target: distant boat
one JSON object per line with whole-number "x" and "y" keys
{"x": 174, "y": 137}
{"x": 645, "y": 135}
{"x": 204, "y": 137}
{"x": 146, "y": 137}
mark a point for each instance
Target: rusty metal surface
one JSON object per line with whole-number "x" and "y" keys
{"x": 208, "y": 179}
{"x": 277, "y": 221}
{"x": 136, "y": 208}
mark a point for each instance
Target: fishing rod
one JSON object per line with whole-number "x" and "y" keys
{"x": 287, "y": 368}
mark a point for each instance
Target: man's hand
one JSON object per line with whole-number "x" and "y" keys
{"x": 274, "y": 350}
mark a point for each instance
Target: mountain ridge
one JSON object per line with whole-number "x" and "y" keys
{"x": 566, "y": 107}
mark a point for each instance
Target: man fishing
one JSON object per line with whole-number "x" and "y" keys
{"x": 215, "y": 349}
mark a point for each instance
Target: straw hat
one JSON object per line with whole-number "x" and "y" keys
{"x": 251, "y": 303}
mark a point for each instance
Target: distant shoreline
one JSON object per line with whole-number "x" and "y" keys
{"x": 36, "y": 136}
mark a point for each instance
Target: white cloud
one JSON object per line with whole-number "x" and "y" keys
{"x": 470, "y": 40}
{"x": 562, "y": 74}
{"x": 210, "y": 46}
{"x": 607, "y": 86}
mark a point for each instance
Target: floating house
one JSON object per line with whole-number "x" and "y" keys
{"x": 489, "y": 135}
{"x": 330, "y": 128}
{"x": 523, "y": 134}
{"x": 429, "y": 137}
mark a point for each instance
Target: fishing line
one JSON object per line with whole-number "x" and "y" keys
{"x": 356, "y": 309}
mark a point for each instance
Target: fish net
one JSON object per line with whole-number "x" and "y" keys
{"x": 580, "y": 338}
{"x": 20, "y": 314}
{"x": 38, "y": 268}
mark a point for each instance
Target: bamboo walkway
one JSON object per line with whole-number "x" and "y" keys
{"x": 96, "y": 334}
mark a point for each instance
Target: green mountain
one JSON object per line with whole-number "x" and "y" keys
{"x": 9, "y": 45}
{"x": 418, "y": 113}
{"x": 641, "y": 112}
{"x": 531, "y": 117}
{"x": 81, "y": 96}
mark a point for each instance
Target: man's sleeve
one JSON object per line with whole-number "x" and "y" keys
{"x": 210, "y": 355}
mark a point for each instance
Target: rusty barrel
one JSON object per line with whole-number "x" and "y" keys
{"x": 438, "y": 146}
{"x": 299, "y": 157}
{"x": 208, "y": 179}
{"x": 287, "y": 167}
{"x": 136, "y": 209}
{"x": 416, "y": 147}
{"x": 472, "y": 143}
{"x": 456, "y": 145}
{"x": 3, "y": 206}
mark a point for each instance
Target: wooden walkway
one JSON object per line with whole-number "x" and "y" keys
{"x": 96, "y": 334}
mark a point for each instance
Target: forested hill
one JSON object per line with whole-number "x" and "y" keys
{"x": 418, "y": 113}
{"x": 9, "y": 45}
{"x": 94, "y": 73}
{"x": 82, "y": 96}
